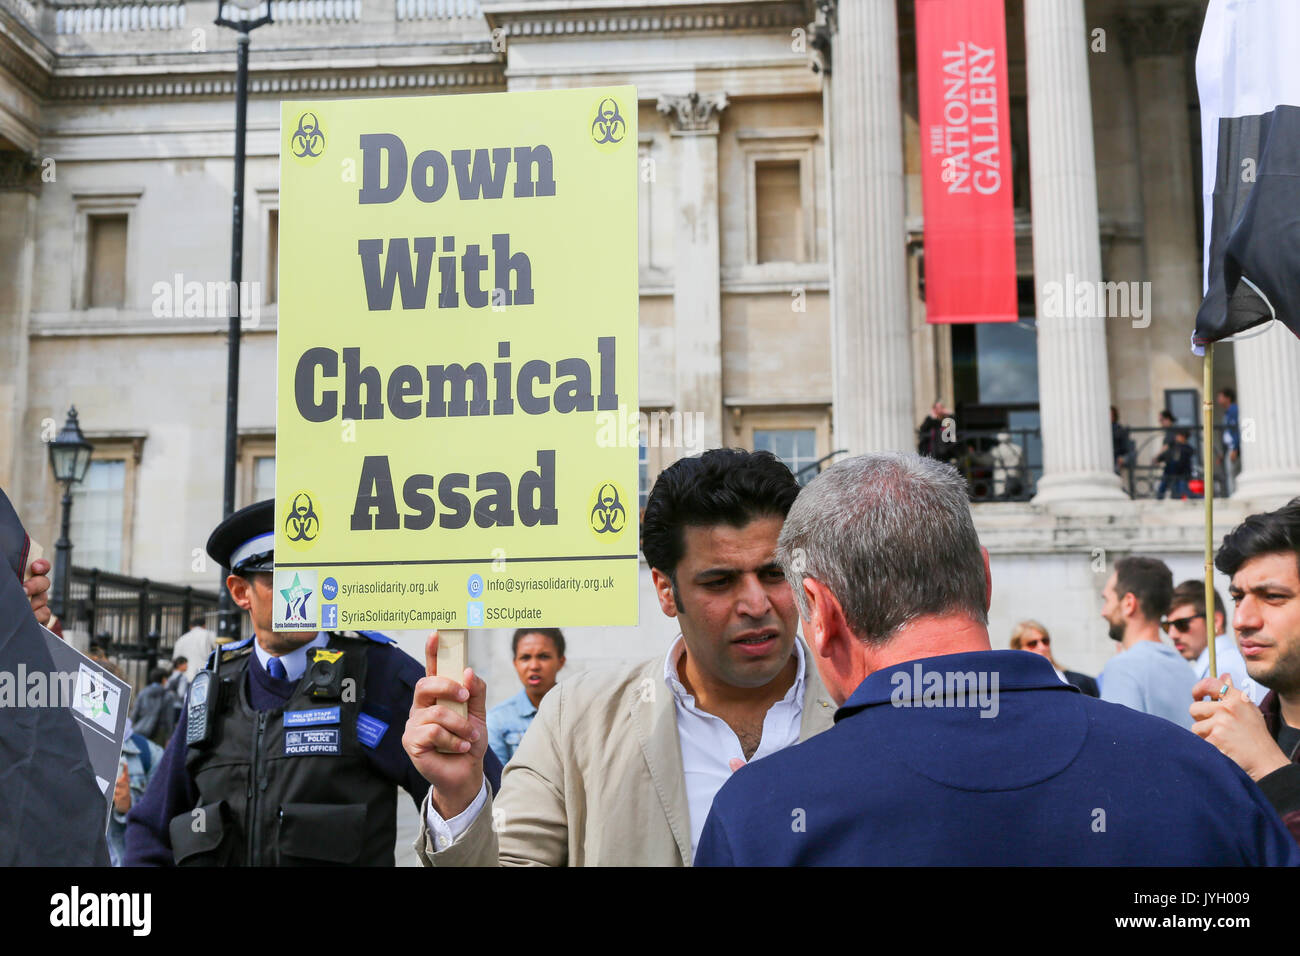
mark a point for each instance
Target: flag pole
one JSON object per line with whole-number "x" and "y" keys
{"x": 1207, "y": 449}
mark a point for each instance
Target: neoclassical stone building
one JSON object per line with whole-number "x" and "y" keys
{"x": 782, "y": 264}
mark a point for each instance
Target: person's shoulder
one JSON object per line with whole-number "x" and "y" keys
{"x": 600, "y": 693}
{"x": 611, "y": 680}
{"x": 507, "y": 708}
{"x": 386, "y": 660}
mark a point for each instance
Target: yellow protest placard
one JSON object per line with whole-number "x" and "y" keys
{"x": 457, "y": 362}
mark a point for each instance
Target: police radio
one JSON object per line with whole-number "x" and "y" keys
{"x": 325, "y": 676}
{"x": 202, "y": 706}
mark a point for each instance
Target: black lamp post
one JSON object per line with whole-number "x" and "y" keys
{"x": 243, "y": 16}
{"x": 69, "y": 457}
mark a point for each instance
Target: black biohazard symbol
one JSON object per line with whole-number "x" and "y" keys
{"x": 307, "y": 139}
{"x": 608, "y": 515}
{"x": 608, "y": 126}
{"x": 302, "y": 523}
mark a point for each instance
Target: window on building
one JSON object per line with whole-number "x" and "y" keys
{"x": 797, "y": 447}
{"x": 272, "y": 255}
{"x": 778, "y": 199}
{"x": 98, "y": 509}
{"x": 106, "y": 262}
{"x": 263, "y": 477}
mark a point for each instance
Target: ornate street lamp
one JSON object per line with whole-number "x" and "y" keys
{"x": 243, "y": 16}
{"x": 69, "y": 458}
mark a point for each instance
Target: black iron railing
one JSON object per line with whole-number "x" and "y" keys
{"x": 1005, "y": 464}
{"x": 137, "y": 620}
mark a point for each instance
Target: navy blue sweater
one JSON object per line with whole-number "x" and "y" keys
{"x": 1030, "y": 773}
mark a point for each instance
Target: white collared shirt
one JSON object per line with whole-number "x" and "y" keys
{"x": 709, "y": 744}
{"x": 295, "y": 662}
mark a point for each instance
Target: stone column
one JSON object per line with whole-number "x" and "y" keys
{"x": 1156, "y": 40}
{"x": 1073, "y": 383}
{"x": 697, "y": 268}
{"x": 1268, "y": 396}
{"x": 18, "y": 192}
{"x": 870, "y": 326}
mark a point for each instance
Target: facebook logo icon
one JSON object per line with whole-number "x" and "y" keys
{"x": 329, "y": 616}
{"x": 475, "y": 614}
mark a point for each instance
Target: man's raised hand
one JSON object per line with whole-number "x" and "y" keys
{"x": 446, "y": 748}
{"x": 1235, "y": 726}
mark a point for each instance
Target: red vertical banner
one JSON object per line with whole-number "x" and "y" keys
{"x": 970, "y": 242}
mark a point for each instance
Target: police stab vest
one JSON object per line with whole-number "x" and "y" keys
{"x": 290, "y": 786}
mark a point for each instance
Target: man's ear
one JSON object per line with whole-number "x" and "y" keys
{"x": 239, "y": 591}
{"x": 825, "y": 617}
{"x": 1128, "y": 604}
{"x": 664, "y": 591}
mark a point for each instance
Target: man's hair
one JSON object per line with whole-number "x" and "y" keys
{"x": 1270, "y": 532}
{"x": 1183, "y": 433}
{"x": 722, "y": 486}
{"x": 178, "y": 661}
{"x": 1229, "y": 393}
{"x": 197, "y": 620}
{"x": 1022, "y": 630}
{"x": 1147, "y": 579}
{"x": 157, "y": 675}
{"x": 1192, "y": 593}
{"x": 1166, "y": 413}
{"x": 892, "y": 537}
{"x": 552, "y": 632}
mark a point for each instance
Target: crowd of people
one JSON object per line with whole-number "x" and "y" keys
{"x": 890, "y": 733}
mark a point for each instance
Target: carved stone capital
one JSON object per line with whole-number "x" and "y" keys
{"x": 693, "y": 112}
{"x": 19, "y": 171}
{"x": 1158, "y": 31}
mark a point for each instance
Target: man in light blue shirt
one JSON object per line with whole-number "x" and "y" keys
{"x": 1146, "y": 674}
{"x": 538, "y": 657}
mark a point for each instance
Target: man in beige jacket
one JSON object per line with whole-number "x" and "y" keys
{"x": 621, "y": 764}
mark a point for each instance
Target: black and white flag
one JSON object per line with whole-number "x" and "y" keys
{"x": 1248, "y": 76}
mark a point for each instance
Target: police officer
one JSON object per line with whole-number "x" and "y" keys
{"x": 286, "y": 753}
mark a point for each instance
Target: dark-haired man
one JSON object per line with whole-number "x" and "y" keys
{"x": 1146, "y": 674}
{"x": 1262, "y": 557}
{"x": 538, "y": 654}
{"x": 621, "y": 764}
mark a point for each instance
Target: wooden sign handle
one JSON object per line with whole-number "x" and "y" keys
{"x": 451, "y": 663}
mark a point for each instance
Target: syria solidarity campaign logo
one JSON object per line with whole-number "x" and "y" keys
{"x": 296, "y": 599}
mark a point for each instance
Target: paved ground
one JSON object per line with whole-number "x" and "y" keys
{"x": 408, "y": 825}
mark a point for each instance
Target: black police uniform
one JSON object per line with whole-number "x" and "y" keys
{"x": 265, "y": 771}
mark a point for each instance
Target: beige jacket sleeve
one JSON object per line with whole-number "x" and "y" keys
{"x": 526, "y": 824}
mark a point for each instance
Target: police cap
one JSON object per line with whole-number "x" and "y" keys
{"x": 245, "y": 542}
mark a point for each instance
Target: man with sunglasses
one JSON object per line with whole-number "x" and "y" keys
{"x": 1185, "y": 625}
